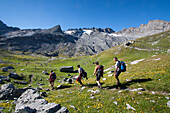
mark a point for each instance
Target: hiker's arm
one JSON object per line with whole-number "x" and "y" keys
{"x": 95, "y": 70}
{"x": 116, "y": 69}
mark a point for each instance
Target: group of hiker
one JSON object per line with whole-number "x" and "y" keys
{"x": 98, "y": 71}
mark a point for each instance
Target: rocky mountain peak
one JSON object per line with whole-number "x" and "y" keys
{"x": 2, "y": 25}
{"x": 55, "y": 29}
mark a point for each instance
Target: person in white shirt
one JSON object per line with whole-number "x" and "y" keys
{"x": 81, "y": 74}
{"x": 117, "y": 70}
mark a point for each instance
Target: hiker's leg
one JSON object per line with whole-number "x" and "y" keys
{"x": 118, "y": 82}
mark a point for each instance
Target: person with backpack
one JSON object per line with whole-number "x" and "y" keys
{"x": 117, "y": 70}
{"x": 52, "y": 79}
{"x": 98, "y": 71}
{"x": 82, "y": 73}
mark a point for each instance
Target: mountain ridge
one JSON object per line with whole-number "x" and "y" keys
{"x": 79, "y": 42}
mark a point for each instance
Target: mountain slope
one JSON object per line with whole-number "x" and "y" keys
{"x": 148, "y": 68}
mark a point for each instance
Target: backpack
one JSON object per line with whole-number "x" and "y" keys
{"x": 100, "y": 70}
{"x": 53, "y": 76}
{"x": 123, "y": 66}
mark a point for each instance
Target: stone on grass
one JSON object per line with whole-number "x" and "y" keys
{"x": 66, "y": 69}
{"x": 97, "y": 91}
{"x": 129, "y": 107}
{"x": 168, "y": 104}
{"x": 115, "y": 102}
{"x": 69, "y": 81}
{"x": 1, "y": 81}
{"x": 14, "y": 75}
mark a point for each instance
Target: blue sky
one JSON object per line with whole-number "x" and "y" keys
{"x": 116, "y": 14}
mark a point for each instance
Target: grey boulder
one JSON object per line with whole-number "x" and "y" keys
{"x": 31, "y": 100}
{"x": 66, "y": 69}
{"x": 6, "y": 91}
{"x": 14, "y": 75}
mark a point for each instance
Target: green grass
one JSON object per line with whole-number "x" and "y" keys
{"x": 150, "y": 74}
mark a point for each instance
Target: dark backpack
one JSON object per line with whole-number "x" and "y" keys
{"x": 100, "y": 70}
{"x": 123, "y": 66}
{"x": 53, "y": 76}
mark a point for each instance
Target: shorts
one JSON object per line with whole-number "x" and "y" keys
{"x": 98, "y": 78}
{"x": 52, "y": 80}
{"x": 79, "y": 78}
{"x": 117, "y": 73}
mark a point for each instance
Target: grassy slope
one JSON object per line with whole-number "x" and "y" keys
{"x": 150, "y": 74}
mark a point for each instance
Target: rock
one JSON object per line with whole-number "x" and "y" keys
{"x": 18, "y": 92}
{"x": 129, "y": 107}
{"x": 1, "y": 81}
{"x": 66, "y": 69}
{"x": 6, "y": 91}
{"x": 5, "y": 69}
{"x": 63, "y": 110}
{"x": 92, "y": 97}
{"x": 168, "y": 104}
{"x": 47, "y": 89}
{"x": 14, "y": 75}
{"x": 26, "y": 110}
{"x": 68, "y": 75}
{"x": 20, "y": 82}
{"x": 65, "y": 79}
{"x": 32, "y": 101}
{"x": 70, "y": 81}
{"x": 97, "y": 91}
{"x": 46, "y": 73}
{"x": 73, "y": 107}
{"x": 44, "y": 94}
{"x": 115, "y": 102}
{"x": 104, "y": 79}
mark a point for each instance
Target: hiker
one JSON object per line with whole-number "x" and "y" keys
{"x": 98, "y": 71}
{"x": 52, "y": 79}
{"x": 117, "y": 70}
{"x": 82, "y": 73}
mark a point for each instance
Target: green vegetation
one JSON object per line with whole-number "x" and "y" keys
{"x": 152, "y": 74}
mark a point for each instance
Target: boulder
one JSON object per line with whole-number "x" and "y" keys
{"x": 20, "y": 82}
{"x": 67, "y": 69}
{"x": 70, "y": 81}
{"x": 6, "y": 91}
{"x": 14, "y": 75}
{"x": 31, "y": 101}
{"x": 1, "y": 81}
{"x": 5, "y": 69}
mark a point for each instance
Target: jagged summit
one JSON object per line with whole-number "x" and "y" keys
{"x": 4, "y": 28}
{"x": 55, "y": 29}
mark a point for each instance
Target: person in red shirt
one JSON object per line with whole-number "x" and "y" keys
{"x": 52, "y": 79}
{"x": 98, "y": 71}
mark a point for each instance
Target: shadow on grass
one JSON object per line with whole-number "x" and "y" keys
{"x": 128, "y": 83}
{"x": 62, "y": 87}
{"x": 92, "y": 85}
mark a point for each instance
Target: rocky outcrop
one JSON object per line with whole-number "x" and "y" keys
{"x": 31, "y": 101}
{"x": 153, "y": 27}
{"x": 8, "y": 91}
{"x": 67, "y": 69}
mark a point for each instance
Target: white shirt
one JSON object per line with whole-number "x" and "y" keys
{"x": 80, "y": 70}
